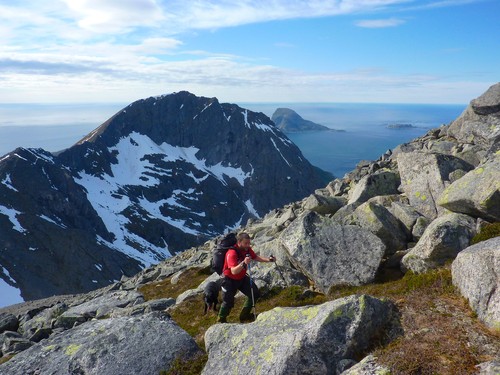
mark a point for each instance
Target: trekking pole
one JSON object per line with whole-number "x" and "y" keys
{"x": 251, "y": 290}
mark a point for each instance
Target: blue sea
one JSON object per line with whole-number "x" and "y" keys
{"x": 366, "y": 134}
{"x": 365, "y": 137}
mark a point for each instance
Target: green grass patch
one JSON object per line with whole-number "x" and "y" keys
{"x": 189, "y": 279}
{"x": 489, "y": 231}
{"x": 182, "y": 366}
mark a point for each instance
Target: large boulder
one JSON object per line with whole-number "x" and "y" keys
{"x": 374, "y": 216}
{"x": 477, "y": 193}
{"x": 8, "y": 322}
{"x": 127, "y": 345}
{"x": 330, "y": 253}
{"x": 480, "y": 122}
{"x": 443, "y": 239}
{"x": 305, "y": 340}
{"x": 382, "y": 182}
{"x": 424, "y": 176}
{"x": 476, "y": 273}
{"x": 324, "y": 204}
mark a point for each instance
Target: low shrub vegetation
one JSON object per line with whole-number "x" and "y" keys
{"x": 489, "y": 231}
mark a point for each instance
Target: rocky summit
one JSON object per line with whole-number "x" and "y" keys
{"x": 162, "y": 175}
{"x": 428, "y": 208}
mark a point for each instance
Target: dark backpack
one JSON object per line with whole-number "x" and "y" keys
{"x": 220, "y": 250}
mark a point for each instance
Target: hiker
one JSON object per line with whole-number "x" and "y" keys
{"x": 235, "y": 268}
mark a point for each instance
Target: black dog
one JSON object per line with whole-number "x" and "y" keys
{"x": 211, "y": 296}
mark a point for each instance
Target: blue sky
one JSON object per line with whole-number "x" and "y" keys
{"x": 393, "y": 51}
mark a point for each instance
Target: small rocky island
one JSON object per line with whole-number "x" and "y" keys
{"x": 289, "y": 121}
{"x": 400, "y": 126}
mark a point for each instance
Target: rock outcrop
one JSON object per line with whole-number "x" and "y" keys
{"x": 480, "y": 122}
{"x": 476, "y": 273}
{"x": 306, "y": 340}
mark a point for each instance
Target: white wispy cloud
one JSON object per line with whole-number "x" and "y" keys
{"x": 88, "y": 50}
{"x": 115, "y": 16}
{"x": 380, "y": 23}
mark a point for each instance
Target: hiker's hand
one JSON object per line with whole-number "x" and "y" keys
{"x": 272, "y": 258}
{"x": 247, "y": 260}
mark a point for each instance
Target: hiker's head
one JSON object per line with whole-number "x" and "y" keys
{"x": 243, "y": 240}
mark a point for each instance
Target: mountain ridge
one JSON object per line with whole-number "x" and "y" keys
{"x": 161, "y": 175}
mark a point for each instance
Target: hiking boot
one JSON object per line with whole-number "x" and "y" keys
{"x": 223, "y": 313}
{"x": 246, "y": 314}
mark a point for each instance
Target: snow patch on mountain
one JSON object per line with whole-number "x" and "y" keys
{"x": 46, "y": 218}
{"x": 277, "y": 149}
{"x": 154, "y": 211}
{"x": 8, "y": 183}
{"x": 251, "y": 208}
{"x": 12, "y": 215}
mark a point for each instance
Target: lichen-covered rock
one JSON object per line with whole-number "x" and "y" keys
{"x": 476, "y": 273}
{"x": 127, "y": 345}
{"x": 330, "y": 253}
{"x": 424, "y": 176}
{"x": 477, "y": 193}
{"x": 324, "y": 205}
{"x": 379, "y": 220}
{"x": 443, "y": 239}
{"x": 382, "y": 182}
{"x": 304, "y": 340}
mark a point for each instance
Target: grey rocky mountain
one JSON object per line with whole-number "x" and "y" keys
{"x": 316, "y": 241}
{"x": 162, "y": 175}
{"x": 289, "y": 121}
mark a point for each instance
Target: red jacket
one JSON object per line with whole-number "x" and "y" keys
{"x": 235, "y": 256}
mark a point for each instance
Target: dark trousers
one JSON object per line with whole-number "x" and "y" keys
{"x": 230, "y": 287}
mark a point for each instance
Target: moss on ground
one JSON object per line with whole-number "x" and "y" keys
{"x": 489, "y": 231}
{"x": 6, "y": 358}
